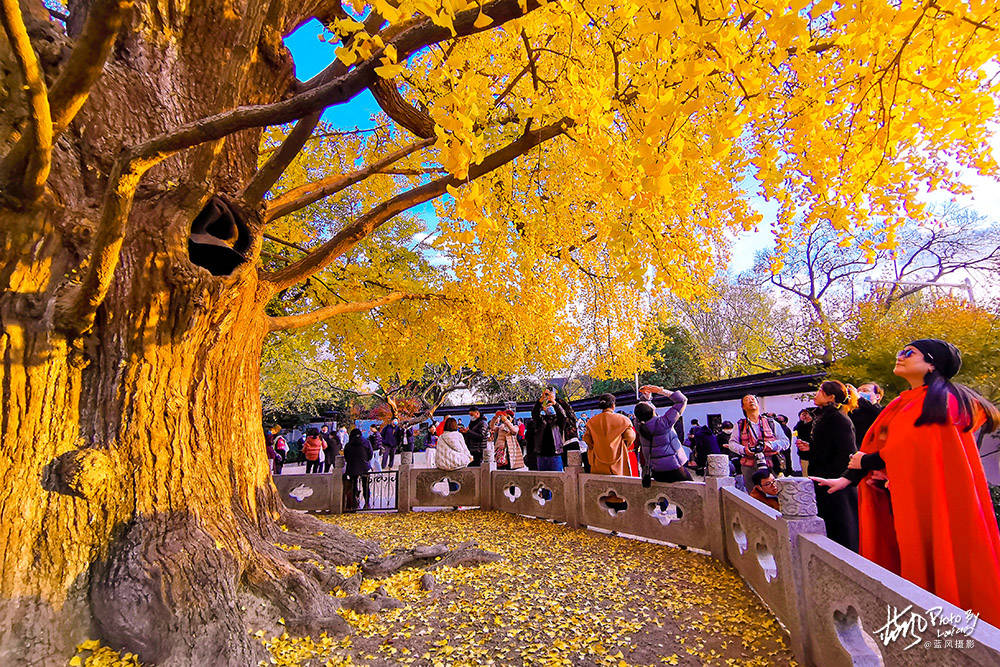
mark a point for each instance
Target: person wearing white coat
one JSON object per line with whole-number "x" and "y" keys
{"x": 451, "y": 452}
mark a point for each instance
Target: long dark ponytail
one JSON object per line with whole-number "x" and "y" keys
{"x": 935, "y": 408}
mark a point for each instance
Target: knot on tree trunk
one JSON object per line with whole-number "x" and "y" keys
{"x": 84, "y": 473}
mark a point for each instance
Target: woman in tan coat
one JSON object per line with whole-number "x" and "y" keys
{"x": 609, "y": 436}
{"x": 506, "y": 450}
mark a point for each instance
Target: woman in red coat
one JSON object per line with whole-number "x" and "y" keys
{"x": 924, "y": 507}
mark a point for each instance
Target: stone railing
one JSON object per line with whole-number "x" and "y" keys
{"x": 835, "y": 604}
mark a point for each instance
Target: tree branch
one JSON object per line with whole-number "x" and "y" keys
{"x": 276, "y": 165}
{"x": 326, "y": 312}
{"x": 531, "y": 60}
{"x": 283, "y": 242}
{"x": 304, "y": 195}
{"x": 86, "y": 61}
{"x": 58, "y": 15}
{"x": 338, "y": 90}
{"x": 76, "y": 307}
{"x": 36, "y": 144}
{"x": 392, "y": 102}
{"x": 354, "y": 233}
{"x": 326, "y": 134}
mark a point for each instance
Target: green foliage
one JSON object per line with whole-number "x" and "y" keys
{"x": 675, "y": 359}
{"x": 879, "y": 334}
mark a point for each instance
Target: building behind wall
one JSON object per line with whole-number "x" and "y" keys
{"x": 780, "y": 392}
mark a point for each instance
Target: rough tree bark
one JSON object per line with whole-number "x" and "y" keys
{"x": 136, "y": 503}
{"x": 135, "y": 499}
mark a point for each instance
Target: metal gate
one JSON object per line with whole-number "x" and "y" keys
{"x": 383, "y": 491}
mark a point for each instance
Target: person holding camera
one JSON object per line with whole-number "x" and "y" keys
{"x": 658, "y": 440}
{"x": 549, "y": 419}
{"x": 506, "y": 450}
{"x": 756, "y": 438}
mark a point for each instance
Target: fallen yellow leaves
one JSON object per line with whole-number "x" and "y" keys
{"x": 91, "y": 654}
{"x": 559, "y": 597}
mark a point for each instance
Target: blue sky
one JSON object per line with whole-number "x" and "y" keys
{"x": 311, "y": 57}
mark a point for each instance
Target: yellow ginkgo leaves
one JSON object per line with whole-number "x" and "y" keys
{"x": 559, "y": 597}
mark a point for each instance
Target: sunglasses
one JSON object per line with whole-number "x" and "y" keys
{"x": 906, "y": 354}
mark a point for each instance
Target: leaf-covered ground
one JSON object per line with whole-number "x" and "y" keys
{"x": 559, "y": 596}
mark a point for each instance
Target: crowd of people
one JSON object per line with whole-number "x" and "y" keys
{"x": 902, "y": 485}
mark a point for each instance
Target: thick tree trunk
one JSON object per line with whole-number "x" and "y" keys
{"x": 136, "y": 501}
{"x": 136, "y": 504}
{"x": 46, "y": 539}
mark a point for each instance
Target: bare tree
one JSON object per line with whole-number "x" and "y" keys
{"x": 826, "y": 274}
{"x": 743, "y": 330}
{"x": 958, "y": 241}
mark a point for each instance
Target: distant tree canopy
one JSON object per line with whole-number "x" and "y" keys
{"x": 675, "y": 361}
{"x": 877, "y": 334}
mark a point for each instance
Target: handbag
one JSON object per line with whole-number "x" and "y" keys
{"x": 500, "y": 456}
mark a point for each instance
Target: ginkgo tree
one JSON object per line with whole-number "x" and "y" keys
{"x": 591, "y": 151}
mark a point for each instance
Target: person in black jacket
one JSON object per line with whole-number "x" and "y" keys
{"x": 829, "y": 453}
{"x": 332, "y": 447}
{"x": 476, "y": 435}
{"x": 869, "y": 406}
{"x": 571, "y": 435}
{"x": 357, "y": 458}
{"x": 703, "y": 443}
{"x": 549, "y": 419}
{"x": 530, "y": 456}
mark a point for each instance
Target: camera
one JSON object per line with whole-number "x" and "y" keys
{"x": 647, "y": 477}
{"x": 757, "y": 449}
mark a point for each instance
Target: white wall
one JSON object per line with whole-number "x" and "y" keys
{"x": 787, "y": 404}
{"x": 991, "y": 459}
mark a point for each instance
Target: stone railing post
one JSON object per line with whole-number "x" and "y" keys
{"x": 571, "y": 487}
{"x": 486, "y": 469}
{"x": 403, "y": 490}
{"x": 337, "y": 484}
{"x": 797, "y": 500}
{"x": 716, "y": 477}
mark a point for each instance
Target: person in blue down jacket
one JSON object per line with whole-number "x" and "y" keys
{"x": 659, "y": 443}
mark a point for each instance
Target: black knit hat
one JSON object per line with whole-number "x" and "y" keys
{"x": 946, "y": 358}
